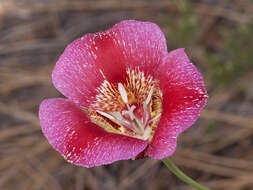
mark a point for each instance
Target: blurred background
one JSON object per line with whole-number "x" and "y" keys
{"x": 218, "y": 36}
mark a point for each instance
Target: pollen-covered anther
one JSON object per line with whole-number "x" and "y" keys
{"x": 132, "y": 108}
{"x": 123, "y": 93}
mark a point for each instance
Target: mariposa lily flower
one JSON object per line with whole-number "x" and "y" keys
{"x": 126, "y": 96}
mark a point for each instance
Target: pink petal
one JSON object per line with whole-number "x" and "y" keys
{"x": 133, "y": 44}
{"x": 81, "y": 142}
{"x": 184, "y": 96}
{"x": 75, "y": 74}
{"x": 81, "y": 68}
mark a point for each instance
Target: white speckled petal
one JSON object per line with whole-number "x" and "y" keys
{"x": 81, "y": 142}
{"x": 184, "y": 96}
{"x": 87, "y": 61}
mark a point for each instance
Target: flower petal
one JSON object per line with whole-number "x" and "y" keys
{"x": 89, "y": 60}
{"x": 81, "y": 142}
{"x": 184, "y": 96}
{"x": 75, "y": 74}
{"x": 132, "y": 44}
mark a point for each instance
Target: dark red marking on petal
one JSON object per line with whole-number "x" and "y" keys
{"x": 109, "y": 56}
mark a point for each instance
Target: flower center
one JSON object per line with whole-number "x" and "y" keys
{"x": 132, "y": 108}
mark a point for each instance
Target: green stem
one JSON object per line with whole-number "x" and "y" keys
{"x": 174, "y": 169}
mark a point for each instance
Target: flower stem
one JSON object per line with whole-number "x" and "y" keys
{"x": 174, "y": 169}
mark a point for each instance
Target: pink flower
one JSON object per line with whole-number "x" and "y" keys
{"x": 127, "y": 97}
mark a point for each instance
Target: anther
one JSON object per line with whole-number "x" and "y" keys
{"x": 106, "y": 115}
{"x": 149, "y": 96}
{"x": 123, "y": 93}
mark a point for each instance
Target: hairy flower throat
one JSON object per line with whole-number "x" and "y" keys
{"x": 132, "y": 108}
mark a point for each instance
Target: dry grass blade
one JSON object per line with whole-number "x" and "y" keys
{"x": 222, "y": 161}
{"x": 17, "y": 130}
{"x": 213, "y": 169}
{"x": 15, "y": 111}
{"x": 138, "y": 173}
{"x": 228, "y": 118}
